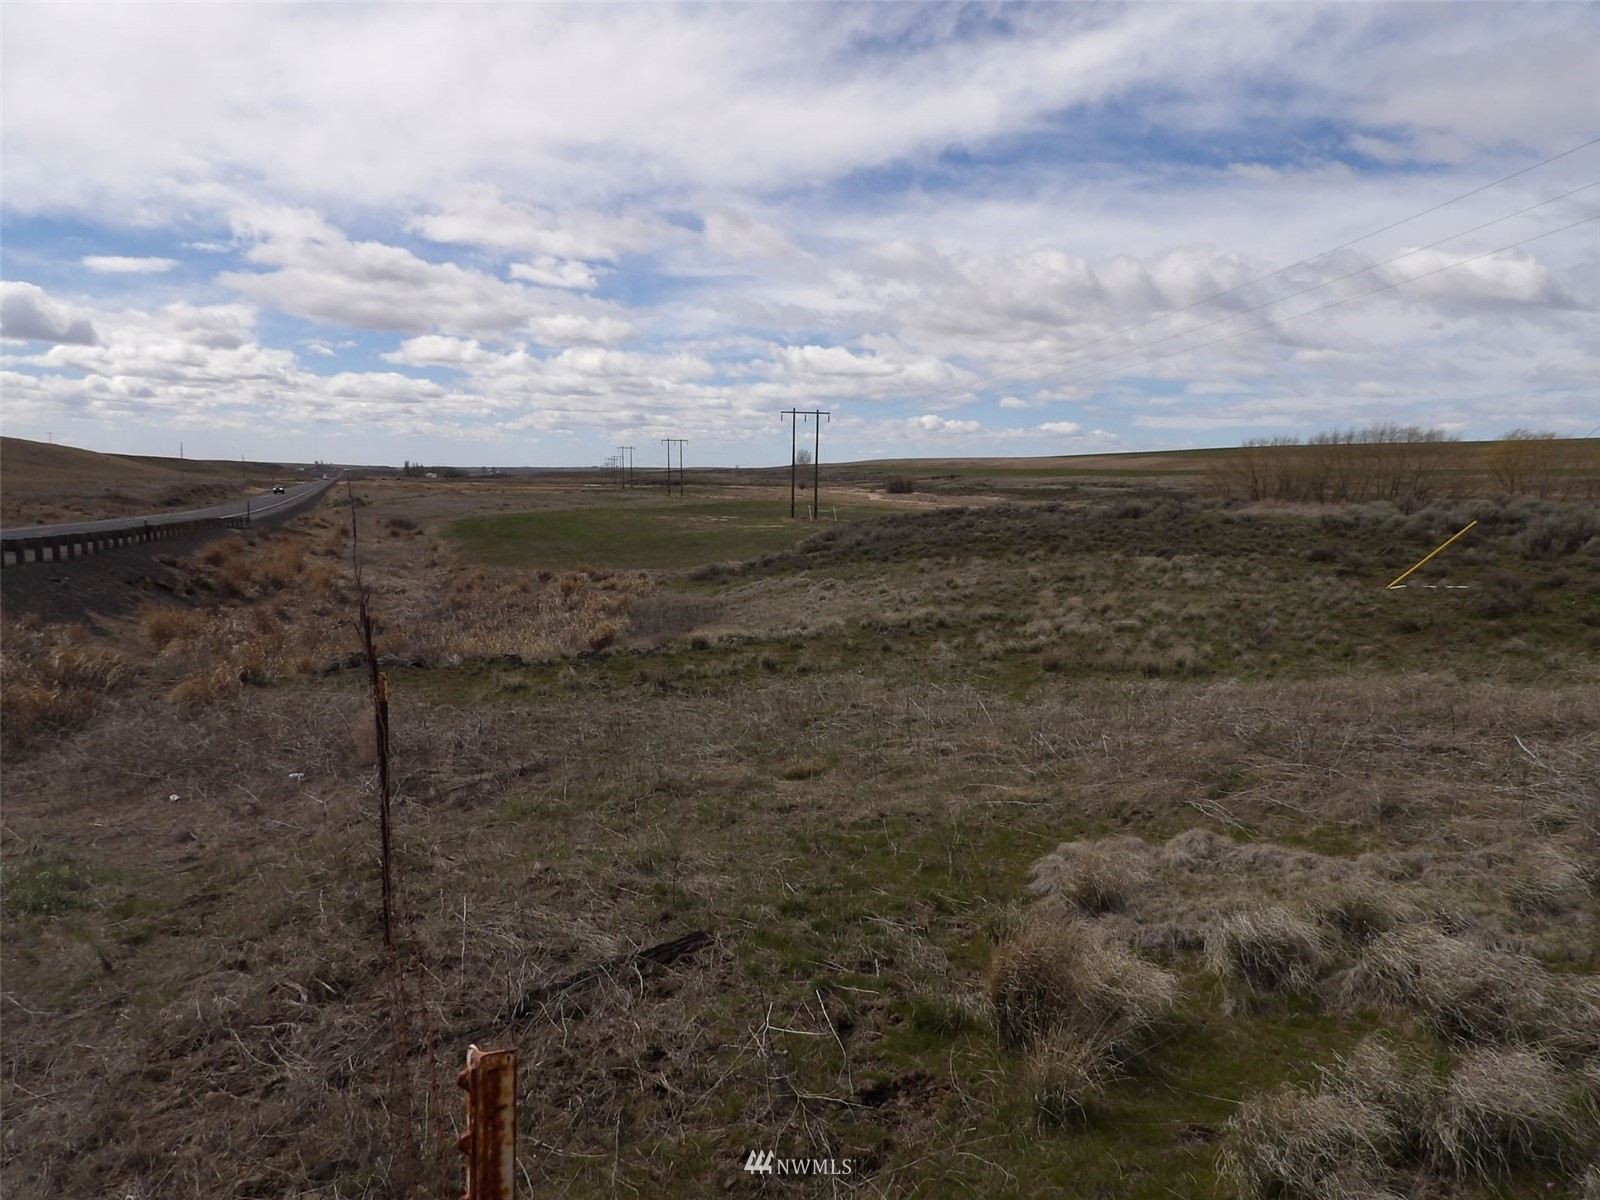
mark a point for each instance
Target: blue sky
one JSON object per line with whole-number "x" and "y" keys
{"x": 526, "y": 234}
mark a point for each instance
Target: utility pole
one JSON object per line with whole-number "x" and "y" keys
{"x": 794, "y": 415}
{"x": 629, "y": 451}
{"x": 679, "y": 442}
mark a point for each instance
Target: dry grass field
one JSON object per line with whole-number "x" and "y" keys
{"x": 1126, "y": 843}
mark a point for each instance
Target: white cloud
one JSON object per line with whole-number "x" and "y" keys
{"x": 556, "y": 272}
{"x": 435, "y": 350}
{"x": 482, "y": 217}
{"x": 28, "y": 315}
{"x": 110, "y": 264}
{"x": 797, "y": 206}
{"x": 739, "y": 235}
{"x": 379, "y": 107}
{"x": 931, "y": 423}
{"x": 317, "y": 272}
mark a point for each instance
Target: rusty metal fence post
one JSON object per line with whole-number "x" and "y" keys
{"x": 490, "y": 1139}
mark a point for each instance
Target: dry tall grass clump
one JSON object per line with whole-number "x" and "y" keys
{"x": 1383, "y": 1108}
{"x": 483, "y": 612}
{"x": 1501, "y": 1108}
{"x": 1066, "y": 1071}
{"x": 1095, "y": 876}
{"x": 1300, "y": 1144}
{"x": 1078, "y": 1002}
{"x": 1194, "y": 850}
{"x": 1357, "y": 912}
{"x": 1397, "y": 1081}
{"x": 1062, "y": 974}
{"x": 1546, "y": 880}
{"x": 1266, "y": 950}
{"x": 52, "y": 680}
{"x": 163, "y": 624}
{"x": 1459, "y": 991}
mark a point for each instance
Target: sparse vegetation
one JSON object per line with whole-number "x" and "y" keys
{"x": 992, "y": 816}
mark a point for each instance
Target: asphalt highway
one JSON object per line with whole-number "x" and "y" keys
{"x": 260, "y": 505}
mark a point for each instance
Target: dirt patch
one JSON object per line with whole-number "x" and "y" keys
{"x": 110, "y": 584}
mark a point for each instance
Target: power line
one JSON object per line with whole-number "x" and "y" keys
{"x": 997, "y": 376}
{"x": 1332, "y": 304}
{"x": 679, "y": 443}
{"x": 1245, "y": 312}
{"x": 818, "y": 415}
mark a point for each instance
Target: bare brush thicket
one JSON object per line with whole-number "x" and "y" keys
{"x": 1405, "y": 464}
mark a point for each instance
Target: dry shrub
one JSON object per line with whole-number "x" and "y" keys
{"x": 1066, "y": 1071}
{"x": 1094, "y": 877}
{"x": 1459, "y": 991}
{"x": 1502, "y": 1107}
{"x": 205, "y": 687}
{"x": 281, "y": 561}
{"x": 1307, "y": 1145}
{"x": 1060, "y": 974}
{"x": 223, "y": 550}
{"x": 1266, "y": 950}
{"x": 52, "y": 680}
{"x": 163, "y": 624}
{"x": 603, "y": 633}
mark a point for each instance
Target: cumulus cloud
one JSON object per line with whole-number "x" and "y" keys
{"x": 857, "y": 207}
{"x": 27, "y": 314}
{"x": 315, "y": 271}
{"x": 556, "y": 272}
{"x": 1512, "y": 277}
{"x": 932, "y": 423}
{"x": 111, "y": 264}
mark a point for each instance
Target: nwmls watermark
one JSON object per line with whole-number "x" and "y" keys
{"x": 767, "y": 1162}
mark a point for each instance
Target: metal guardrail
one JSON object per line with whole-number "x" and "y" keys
{"x": 61, "y": 546}
{"x": 39, "y": 547}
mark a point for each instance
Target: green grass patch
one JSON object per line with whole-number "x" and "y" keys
{"x": 43, "y": 886}
{"x": 647, "y": 534}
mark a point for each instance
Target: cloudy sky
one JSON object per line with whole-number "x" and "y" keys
{"x": 512, "y": 234}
